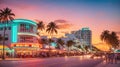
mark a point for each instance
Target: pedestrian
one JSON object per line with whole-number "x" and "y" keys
{"x": 115, "y": 58}
{"x": 111, "y": 57}
{"x": 106, "y": 57}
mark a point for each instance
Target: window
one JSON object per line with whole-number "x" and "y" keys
{"x": 26, "y": 28}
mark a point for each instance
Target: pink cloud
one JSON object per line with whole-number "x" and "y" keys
{"x": 60, "y": 21}
{"x": 63, "y": 24}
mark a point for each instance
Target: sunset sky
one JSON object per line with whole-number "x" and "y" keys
{"x": 98, "y": 15}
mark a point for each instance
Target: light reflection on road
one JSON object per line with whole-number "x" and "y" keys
{"x": 67, "y": 61}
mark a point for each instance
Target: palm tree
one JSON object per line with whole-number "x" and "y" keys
{"x": 41, "y": 26}
{"x": 52, "y": 28}
{"x": 6, "y": 15}
{"x": 79, "y": 46}
{"x": 70, "y": 43}
{"x": 86, "y": 48}
{"x": 114, "y": 41}
{"x": 50, "y": 41}
{"x": 60, "y": 42}
{"x": 44, "y": 41}
{"x": 110, "y": 38}
{"x": 105, "y": 36}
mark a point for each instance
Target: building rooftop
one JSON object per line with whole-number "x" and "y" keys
{"x": 86, "y": 28}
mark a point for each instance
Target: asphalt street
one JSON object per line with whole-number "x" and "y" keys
{"x": 74, "y": 61}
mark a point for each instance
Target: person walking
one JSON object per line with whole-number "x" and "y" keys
{"x": 115, "y": 58}
{"x": 106, "y": 57}
{"x": 110, "y": 57}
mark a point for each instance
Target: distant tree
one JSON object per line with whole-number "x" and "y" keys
{"x": 41, "y": 27}
{"x": 44, "y": 41}
{"x": 114, "y": 41}
{"x": 70, "y": 43}
{"x": 50, "y": 40}
{"x": 105, "y": 36}
{"x": 60, "y": 42}
{"x": 110, "y": 38}
{"x": 79, "y": 46}
{"x": 86, "y": 48}
{"x": 6, "y": 15}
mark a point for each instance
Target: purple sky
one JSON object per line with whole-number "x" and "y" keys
{"x": 98, "y": 15}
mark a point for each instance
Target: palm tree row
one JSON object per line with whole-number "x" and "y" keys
{"x": 51, "y": 27}
{"x": 110, "y": 38}
{"x": 60, "y": 43}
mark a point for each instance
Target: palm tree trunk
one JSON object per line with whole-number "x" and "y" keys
{"x": 3, "y": 57}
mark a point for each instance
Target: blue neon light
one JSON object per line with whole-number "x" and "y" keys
{"x": 24, "y": 21}
{"x": 14, "y": 34}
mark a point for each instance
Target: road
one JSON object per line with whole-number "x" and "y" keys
{"x": 74, "y": 61}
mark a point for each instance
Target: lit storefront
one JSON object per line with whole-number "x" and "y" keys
{"x": 26, "y": 48}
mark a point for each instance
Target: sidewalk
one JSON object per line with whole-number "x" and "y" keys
{"x": 104, "y": 64}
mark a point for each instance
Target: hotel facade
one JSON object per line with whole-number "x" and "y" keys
{"x": 84, "y": 35}
{"x": 21, "y": 36}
